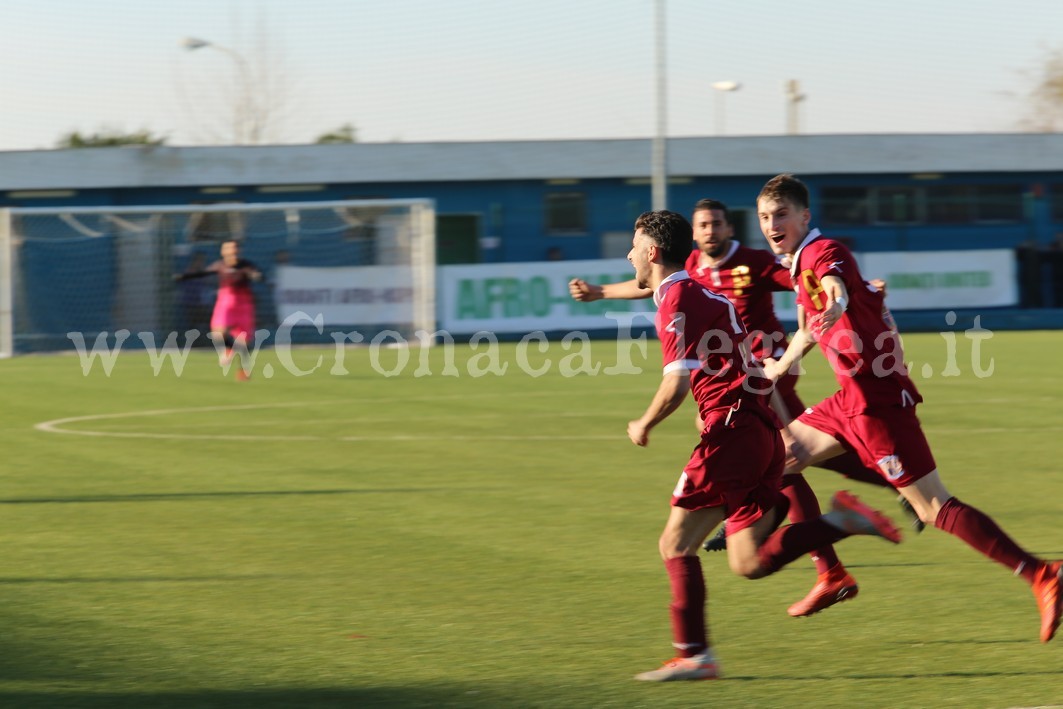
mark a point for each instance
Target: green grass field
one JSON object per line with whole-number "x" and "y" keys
{"x": 361, "y": 540}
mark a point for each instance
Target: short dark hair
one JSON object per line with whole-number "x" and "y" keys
{"x": 670, "y": 231}
{"x": 703, "y": 204}
{"x": 785, "y": 188}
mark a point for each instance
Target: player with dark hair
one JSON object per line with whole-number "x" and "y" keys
{"x": 233, "y": 319}
{"x": 748, "y": 278}
{"x": 734, "y": 470}
{"x": 873, "y": 412}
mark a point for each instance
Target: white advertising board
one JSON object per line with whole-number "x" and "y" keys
{"x": 350, "y": 295}
{"x": 931, "y": 280}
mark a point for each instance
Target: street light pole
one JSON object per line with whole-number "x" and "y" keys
{"x": 723, "y": 88}
{"x": 246, "y": 127}
{"x": 660, "y": 145}
{"x": 793, "y": 98}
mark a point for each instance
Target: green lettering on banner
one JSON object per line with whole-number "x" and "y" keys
{"x": 952, "y": 279}
{"x": 902, "y": 281}
{"x": 539, "y": 301}
{"x": 469, "y": 300}
{"x": 511, "y": 305}
{"x": 966, "y": 279}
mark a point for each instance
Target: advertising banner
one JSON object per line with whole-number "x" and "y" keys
{"x": 934, "y": 280}
{"x": 351, "y": 295}
{"x": 524, "y": 297}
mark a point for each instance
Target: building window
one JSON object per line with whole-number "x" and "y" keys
{"x": 1056, "y": 196}
{"x": 998, "y": 203}
{"x": 566, "y": 213}
{"x": 844, "y": 205}
{"x": 949, "y": 204}
{"x": 897, "y": 205}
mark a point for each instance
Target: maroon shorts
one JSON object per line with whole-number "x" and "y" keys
{"x": 888, "y": 439}
{"x": 736, "y": 467}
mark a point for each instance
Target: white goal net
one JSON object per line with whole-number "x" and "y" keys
{"x": 364, "y": 266}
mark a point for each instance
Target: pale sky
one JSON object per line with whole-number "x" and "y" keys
{"x": 437, "y": 70}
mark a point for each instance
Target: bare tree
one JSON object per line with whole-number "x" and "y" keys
{"x": 1046, "y": 98}
{"x": 242, "y": 92}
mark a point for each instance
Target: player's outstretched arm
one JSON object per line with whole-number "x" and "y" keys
{"x": 251, "y": 271}
{"x": 586, "y": 292}
{"x": 800, "y": 344}
{"x": 673, "y": 389}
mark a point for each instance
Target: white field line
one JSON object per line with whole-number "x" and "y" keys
{"x": 58, "y": 426}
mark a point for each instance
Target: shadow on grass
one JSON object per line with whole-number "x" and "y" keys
{"x": 168, "y": 496}
{"x": 891, "y": 565}
{"x": 140, "y": 579}
{"x": 980, "y": 674}
{"x": 435, "y": 696}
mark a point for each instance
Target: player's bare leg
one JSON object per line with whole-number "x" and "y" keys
{"x": 225, "y": 355}
{"x": 936, "y": 506}
{"x": 240, "y": 345}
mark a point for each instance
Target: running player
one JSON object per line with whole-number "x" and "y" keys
{"x": 748, "y": 278}
{"x": 873, "y": 412}
{"x": 734, "y": 470}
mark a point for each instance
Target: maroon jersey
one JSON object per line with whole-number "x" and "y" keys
{"x": 863, "y": 347}
{"x": 748, "y": 277}
{"x": 700, "y": 332}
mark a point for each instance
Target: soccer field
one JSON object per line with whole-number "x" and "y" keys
{"x": 477, "y": 539}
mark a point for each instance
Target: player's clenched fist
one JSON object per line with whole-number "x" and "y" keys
{"x": 584, "y": 292}
{"x": 638, "y": 433}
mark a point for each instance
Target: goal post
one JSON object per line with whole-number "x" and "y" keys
{"x": 365, "y": 266}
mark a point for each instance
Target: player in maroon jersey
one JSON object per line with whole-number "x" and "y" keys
{"x": 734, "y": 470}
{"x": 748, "y": 278}
{"x": 873, "y": 413}
{"x": 233, "y": 319}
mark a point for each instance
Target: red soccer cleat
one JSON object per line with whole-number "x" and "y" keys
{"x": 1046, "y": 589}
{"x": 832, "y": 587}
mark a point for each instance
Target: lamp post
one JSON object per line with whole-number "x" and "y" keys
{"x": 659, "y": 158}
{"x": 723, "y": 88}
{"x": 246, "y": 128}
{"x": 793, "y": 98}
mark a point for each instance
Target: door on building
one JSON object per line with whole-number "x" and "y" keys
{"x": 457, "y": 238}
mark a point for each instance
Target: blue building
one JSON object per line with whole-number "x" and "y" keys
{"x": 527, "y": 201}
{"x": 577, "y": 199}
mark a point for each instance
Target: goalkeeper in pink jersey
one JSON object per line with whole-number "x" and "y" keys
{"x": 873, "y": 412}
{"x": 233, "y": 319}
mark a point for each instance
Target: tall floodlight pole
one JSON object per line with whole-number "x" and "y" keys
{"x": 660, "y": 149}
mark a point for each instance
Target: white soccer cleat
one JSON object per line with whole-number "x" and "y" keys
{"x": 702, "y": 666}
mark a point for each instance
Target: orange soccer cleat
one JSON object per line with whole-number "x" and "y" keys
{"x": 1046, "y": 589}
{"x": 834, "y": 586}
{"x": 858, "y": 518}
